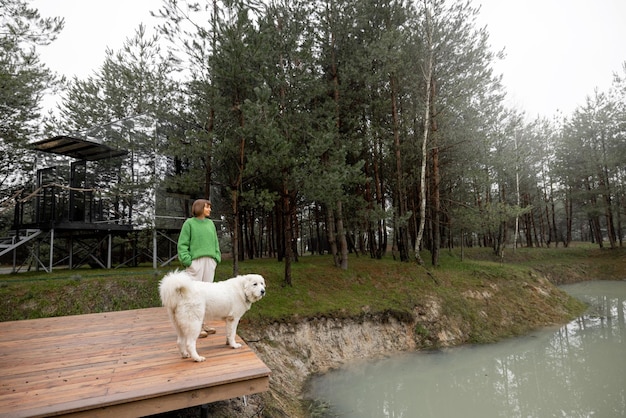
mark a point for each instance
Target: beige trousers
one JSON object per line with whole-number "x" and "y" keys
{"x": 202, "y": 269}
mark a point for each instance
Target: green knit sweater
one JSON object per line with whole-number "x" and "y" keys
{"x": 198, "y": 238}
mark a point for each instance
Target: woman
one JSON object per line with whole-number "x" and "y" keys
{"x": 199, "y": 248}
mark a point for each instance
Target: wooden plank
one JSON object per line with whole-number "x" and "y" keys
{"x": 118, "y": 363}
{"x": 177, "y": 400}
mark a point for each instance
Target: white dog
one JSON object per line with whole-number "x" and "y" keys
{"x": 190, "y": 302}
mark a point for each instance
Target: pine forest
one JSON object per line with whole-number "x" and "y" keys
{"x": 365, "y": 128}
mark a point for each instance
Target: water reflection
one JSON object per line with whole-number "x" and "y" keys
{"x": 578, "y": 370}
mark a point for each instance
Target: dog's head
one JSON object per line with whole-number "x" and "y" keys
{"x": 254, "y": 287}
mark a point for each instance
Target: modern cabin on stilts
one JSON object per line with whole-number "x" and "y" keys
{"x": 78, "y": 215}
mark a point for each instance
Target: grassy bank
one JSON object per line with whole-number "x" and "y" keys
{"x": 319, "y": 289}
{"x": 579, "y": 262}
{"x": 480, "y": 297}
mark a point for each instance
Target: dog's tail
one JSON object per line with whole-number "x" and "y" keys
{"x": 174, "y": 287}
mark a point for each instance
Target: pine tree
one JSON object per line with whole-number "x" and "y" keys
{"x": 23, "y": 81}
{"x": 122, "y": 104}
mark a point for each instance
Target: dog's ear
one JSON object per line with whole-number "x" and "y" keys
{"x": 247, "y": 283}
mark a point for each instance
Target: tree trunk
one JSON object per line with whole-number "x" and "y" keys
{"x": 332, "y": 236}
{"x": 568, "y": 216}
{"x": 605, "y": 185}
{"x": 436, "y": 207}
{"x": 401, "y": 209}
{"x": 208, "y": 172}
{"x": 553, "y": 214}
{"x": 535, "y": 233}
{"x": 528, "y": 222}
{"x": 287, "y": 225}
{"x": 594, "y": 219}
{"x": 620, "y": 233}
{"x": 597, "y": 231}
{"x": 549, "y": 226}
{"x": 235, "y": 232}
{"x": 619, "y": 197}
{"x": 336, "y": 230}
{"x": 427, "y": 72}
{"x": 610, "y": 227}
{"x": 608, "y": 208}
{"x": 517, "y": 196}
{"x": 382, "y": 230}
{"x": 341, "y": 235}
{"x": 318, "y": 220}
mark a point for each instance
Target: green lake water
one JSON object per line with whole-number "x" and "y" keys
{"x": 575, "y": 370}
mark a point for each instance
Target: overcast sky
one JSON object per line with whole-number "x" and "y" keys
{"x": 557, "y": 51}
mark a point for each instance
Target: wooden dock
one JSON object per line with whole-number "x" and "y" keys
{"x": 117, "y": 364}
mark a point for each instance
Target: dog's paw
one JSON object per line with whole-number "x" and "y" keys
{"x": 199, "y": 359}
{"x": 185, "y": 355}
{"x": 235, "y": 345}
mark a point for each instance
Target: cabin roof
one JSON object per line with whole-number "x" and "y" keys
{"x": 77, "y": 148}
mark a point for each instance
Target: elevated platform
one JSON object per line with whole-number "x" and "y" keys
{"x": 116, "y": 364}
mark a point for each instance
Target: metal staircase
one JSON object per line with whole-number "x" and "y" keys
{"x": 17, "y": 238}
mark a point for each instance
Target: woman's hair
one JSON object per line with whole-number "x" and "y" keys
{"x": 197, "y": 208}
